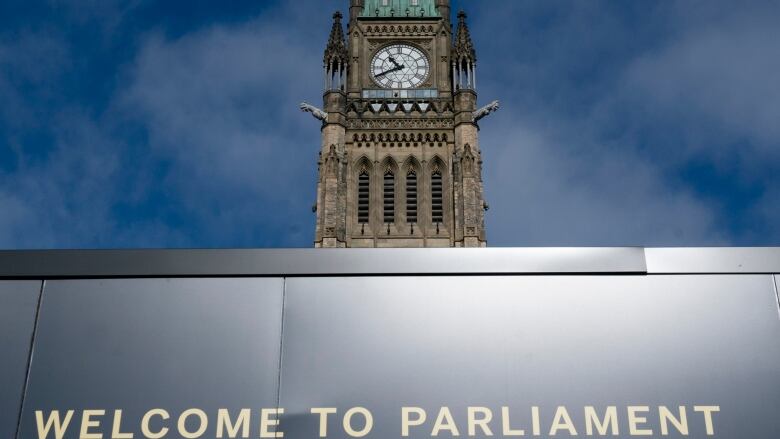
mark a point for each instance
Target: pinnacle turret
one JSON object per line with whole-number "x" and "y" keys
{"x": 463, "y": 49}
{"x": 336, "y": 51}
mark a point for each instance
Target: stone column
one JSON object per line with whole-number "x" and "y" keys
{"x": 471, "y": 224}
{"x": 331, "y": 196}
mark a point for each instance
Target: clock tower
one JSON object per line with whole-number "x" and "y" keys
{"x": 400, "y": 163}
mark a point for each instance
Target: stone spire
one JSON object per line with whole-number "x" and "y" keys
{"x": 463, "y": 49}
{"x": 336, "y": 51}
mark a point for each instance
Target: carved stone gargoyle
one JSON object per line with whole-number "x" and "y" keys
{"x": 487, "y": 109}
{"x": 316, "y": 112}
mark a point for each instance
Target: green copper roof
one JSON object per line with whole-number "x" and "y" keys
{"x": 400, "y": 8}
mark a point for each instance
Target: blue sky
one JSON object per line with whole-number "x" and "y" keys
{"x": 175, "y": 124}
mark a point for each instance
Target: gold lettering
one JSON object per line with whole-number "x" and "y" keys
{"x": 505, "y": 427}
{"x": 182, "y": 424}
{"x": 87, "y": 423}
{"x": 634, "y": 420}
{"x": 369, "y": 422}
{"x": 562, "y": 420}
{"x": 145, "y": 424}
{"x": 707, "y": 410}
{"x": 407, "y": 422}
{"x": 53, "y": 420}
{"x": 444, "y": 421}
{"x": 535, "y": 425}
{"x": 323, "y": 412}
{"x": 116, "y": 428}
{"x": 610, "y": 421}
{"x": 482, "y": 422}
{"x": 266, "y": 422}
{"x": 666, "y": 415}
{"x": 224, "y": 423}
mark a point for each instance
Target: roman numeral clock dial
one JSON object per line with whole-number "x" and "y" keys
{"x": 399, "y": 66}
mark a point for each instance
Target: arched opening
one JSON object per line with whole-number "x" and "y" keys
{"x": 437, "y": 201}
{"x": 364, "y": 195}
{"x": 389, "y": 197}
{"x": 411, "y": 196}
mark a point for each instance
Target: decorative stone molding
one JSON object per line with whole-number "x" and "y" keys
{"x": 400, "y": 137}
{"x": 400, "y": 30}
{"x": 374, "y": 124}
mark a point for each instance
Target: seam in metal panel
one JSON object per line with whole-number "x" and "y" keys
{"x": 281, "y": 346}
{"x": 777, "y": 294}
{"x": 29, "y": 359}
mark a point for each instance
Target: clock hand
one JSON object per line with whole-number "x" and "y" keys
{"x": 392, "y": 60}
{"x": 394, "y": 69}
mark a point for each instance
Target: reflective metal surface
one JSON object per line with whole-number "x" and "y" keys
{"x": 18, "y": 303}
{"x": 386, "y": 329}
{"x": 304, "y": 262}
{"x": 136, "y": 345}
{"x": 713, "y": 260}
{"x": 573, "y": 341}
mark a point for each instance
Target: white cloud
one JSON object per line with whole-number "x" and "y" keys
{"x": 219, "y": 103}
{"x": 726, "y": 75}
{"x": 599, "y": 126}
{"x": 543, "y": 194}
{"x": 221, "y": 107}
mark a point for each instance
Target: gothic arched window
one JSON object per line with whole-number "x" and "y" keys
{"x": 389, "y": 197}
{"x": 364, "y": 195}
{"x": 411, "y": 197}
{"x": 437, "y": 204}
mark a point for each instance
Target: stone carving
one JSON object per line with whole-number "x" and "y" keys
{"x": 487, "y": 109}
{"x": 316, "y": 112}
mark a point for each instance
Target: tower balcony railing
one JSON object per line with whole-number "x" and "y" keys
{"x": 415, "y": 93}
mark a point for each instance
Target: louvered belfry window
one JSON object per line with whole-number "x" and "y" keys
{"x": 437, "y": 205}
{"x": 411, "y": 197}
{"x": 364, "y": 195}
{"x": 389, "y": 197}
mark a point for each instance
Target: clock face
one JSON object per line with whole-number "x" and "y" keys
{"x": 400, "y": 66}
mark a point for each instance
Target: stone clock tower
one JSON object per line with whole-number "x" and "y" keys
{"x": 400, "y": 162}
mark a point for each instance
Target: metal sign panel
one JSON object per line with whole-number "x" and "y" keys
{"x": 139, "y": 345}
{"x": 551, "y": 356}
{"x": 390, "y": 344}
{"x": 692, "y": 260}
{"x": 18, "y": 303}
